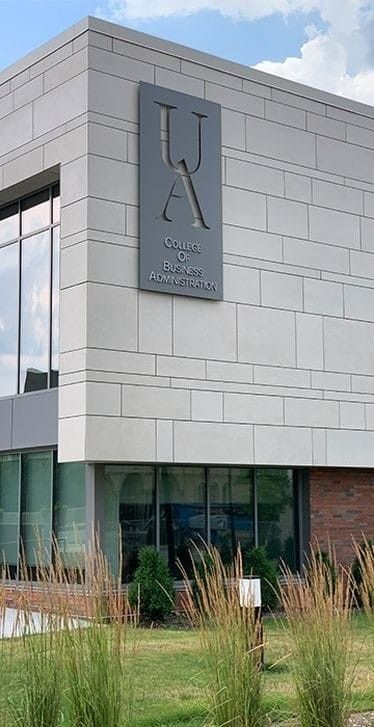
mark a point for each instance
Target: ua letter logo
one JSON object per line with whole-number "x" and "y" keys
{"x": 183, "y": 167}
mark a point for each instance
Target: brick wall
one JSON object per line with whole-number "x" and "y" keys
{"x": 341, "y": 506}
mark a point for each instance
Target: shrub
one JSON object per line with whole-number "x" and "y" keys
{"x": 363, "y": 574}
{"x": 258, "y": 563}
{"x": 152, "y": 586}
{"x": 231, "y": 642}
{"x": 318, "y": 613}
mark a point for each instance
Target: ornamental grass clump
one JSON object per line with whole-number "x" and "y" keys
{"x": 363, "y": 574}
{"x": 96, "y": 652}
{"x": 318, "y": 616}
{"x": 231, "y": 641}
{"x": 70, "y": 641}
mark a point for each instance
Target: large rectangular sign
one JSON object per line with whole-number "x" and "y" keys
{"x": 180, "y": 194}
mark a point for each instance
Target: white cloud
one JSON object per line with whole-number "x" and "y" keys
{"x": 339, "y": 59}
{"x": 120, "y": 10}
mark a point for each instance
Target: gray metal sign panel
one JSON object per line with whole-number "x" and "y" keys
{"x": 180, "y": 194}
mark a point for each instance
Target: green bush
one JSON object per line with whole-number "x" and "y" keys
{"x": 258, "y": 563}
{"x": 153, "y": 586}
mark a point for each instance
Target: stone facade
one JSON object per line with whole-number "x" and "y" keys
{"x": 281, "y": 372}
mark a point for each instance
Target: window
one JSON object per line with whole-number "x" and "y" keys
{"x": 29, "y": 287}
{"x": 172, "y": 507}
{"x": 36, "y": 508}
{"x": 69, "y": 513}
{"x": 276, "y": 513}
{"x": 182, "y": 513}
{"x": 9, "y": 512}
{"x": 231, "y": 509}
{"x": 130, "y": 504}
{"x": 33, "y": 488}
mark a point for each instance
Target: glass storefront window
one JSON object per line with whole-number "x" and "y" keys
{"x": 129, "y": 513}
{"x": 169, "y": 507}
{"x": 69, "y": 513}
{"x": 9, "y": 512}
{"x": 9, "y": 263}
{"x": 231, "y": 509}
{"x": 182, "y": 514}
{"x": 36, "y": 507}
{"x": 275, "y": 513}
{"x": 29, "y": 284}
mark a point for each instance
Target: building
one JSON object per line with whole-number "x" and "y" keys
{"x": 242, "y": 412}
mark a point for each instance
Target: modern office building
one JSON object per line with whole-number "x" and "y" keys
{"x": 210, "y": 373}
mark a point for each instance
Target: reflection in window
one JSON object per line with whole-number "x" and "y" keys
{"x": 9, "y": 223}
{"x": 69, "y": 513}
{"x": 182, "y": 513}
{"x": 275, "y": 512}
{"x": 29, "y": 277}
{"x": 130, "y": 504}
{"x": 36, "y": 509}
{"x": 231, "y": 510}
{"x": 35, "y": 212}
{"x": 9, "y": 265}
{"x": 56, "y": 207}
{"x": 35, "y": 307}
{"x": 9, "y": 512}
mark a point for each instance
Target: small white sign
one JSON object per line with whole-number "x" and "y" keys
{"x": 250, "y": 592}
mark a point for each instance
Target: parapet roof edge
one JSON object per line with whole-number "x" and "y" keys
{"x": 44, "y": 50}
{"x": 175, "y": 49}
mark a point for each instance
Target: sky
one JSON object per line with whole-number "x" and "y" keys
{"x": 328, "y": 44}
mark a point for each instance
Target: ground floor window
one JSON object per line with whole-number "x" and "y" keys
{"x": 170, "y": 506}
{"x": 40, "y": 498}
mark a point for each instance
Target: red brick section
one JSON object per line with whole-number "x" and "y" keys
{"x": 341, "y": 506}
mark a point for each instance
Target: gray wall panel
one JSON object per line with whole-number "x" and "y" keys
{"x": 35, "y": 420}
{"x": 5, "y": 424}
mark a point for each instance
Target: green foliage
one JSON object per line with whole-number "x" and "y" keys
{"x": 94, "y": 667}
{"x": 36, "y": 699}
{"x": 318, "y": 613}
{"x": 231, "y": 641}
{"x": 153, "y": 586}
{"x": 258, "y": 563}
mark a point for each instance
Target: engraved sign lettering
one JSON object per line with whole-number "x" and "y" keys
{"x": 180, "y": 194}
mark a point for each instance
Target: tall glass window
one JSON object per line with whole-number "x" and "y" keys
{"x": 29, "y": 285}
{"x": 36, "y": 507}
{"x": 231, "y": 509}
{"x": 9, "y": 276}
{"x": 69, "y": 513}
{"x": 183, "y": 514}
{"x": 35, "y": 312}
{"x": 276, "y": 513}
{"x": 9, "y": 512}
{"x": 130, "y": 510}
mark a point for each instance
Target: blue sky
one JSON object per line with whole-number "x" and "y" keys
{"x": 324, "y": 43}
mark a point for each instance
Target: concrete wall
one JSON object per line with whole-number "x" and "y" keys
{"x": 280, "y": 372}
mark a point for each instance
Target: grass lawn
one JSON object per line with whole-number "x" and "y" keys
{"x": 170, "y": 679}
